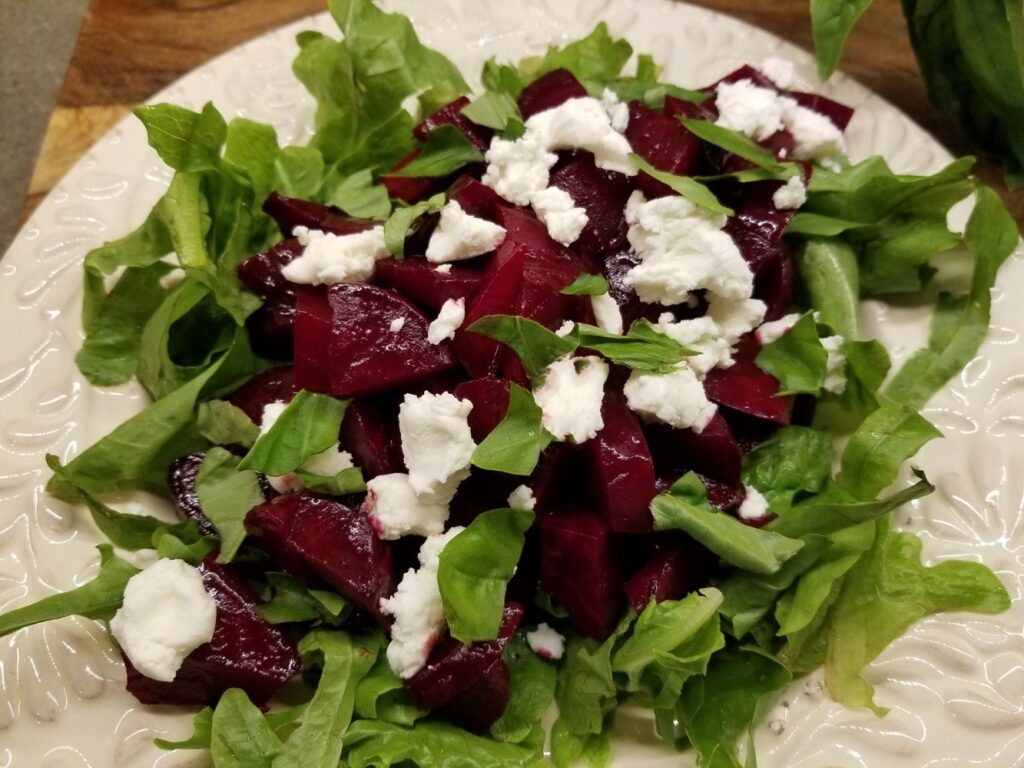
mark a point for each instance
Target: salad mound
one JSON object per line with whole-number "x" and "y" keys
{"x": 484, "y": 402}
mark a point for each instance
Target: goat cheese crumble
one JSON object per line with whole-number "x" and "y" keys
{"x": 436, "y": 440}
{"x": 779, "y": 71}
{"x": 776, "y": 329}
{"x": 459, "y": 235}
{"x": 754, "y": 506}
{"x": 559, "y": 213}
{"x": 328, "y": 258}
{"x": 607, "y": 314}
{"x": 546, "y": 642}
{"x": 790, "y": 195}
{"x": 570, "y": 398}
{"x": 617, "y": 110}
{"x": 522, "y": 498}
{"x": 675, "y": 398}
{"x": 396, "y": 510}
{"x": 449, "y": 320}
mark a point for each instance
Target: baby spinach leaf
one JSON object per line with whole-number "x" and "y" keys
{"x": 532, "y": 689}
{"x": 293, "y": 602}
{"x": 536, "y": 346}
{"x": 830, "y": 275}
{"x": 226, "y": 494}
{"x": 831, "y": 23}
{"x": 689, "y": 188}
{"x": 250, "y": 153}
{"x": 586, "y": 285}
{"x": 644, "y": 348}
{"x": 222, "y": 423}
{"x": 493, "y": 109}
{"x": 447, "y": 149}
{"x": 797, "y": 359}
{"x": 240, "y": 736}
{"x": 515, "y": 445}
{"x": 185, "y": 140}
{"x": 397, "y": 227}
{"x": 308, "y": 425}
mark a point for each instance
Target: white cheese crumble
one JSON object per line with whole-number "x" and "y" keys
{"x": 779, "y": 71}
{"x": 517, "y": 170}
{"x": 327, "y": 463}
{"x": 790, "y": 195}
{"x": 558, "y": 212}
{"x": 329, "y": 258}
{"x": 754, "y": 506}
{"x": 448, "y": 321}
{"x": 774, "y": 330}
{"x": 570, "y": 397}
{"x": 417, "y": 610}
{"x": 396, "y": 510}
{"x": 522, "y": 498}
{"x": 167, "y": 613}
{"x": 675, "y": 398}
{"x": 835, "y": 369}
{"x": 443, "y": 269}
{"x": 565, "y": 328}
{"x": 607, "y": 314}
{"x": 546, "y": 642}
{"x": 397, "y": 324}
{"x": 618, "y": 112}
{"x": 436, "y": 440}
{"x": 582, "y": 123}
{"x": 459, "y": 235}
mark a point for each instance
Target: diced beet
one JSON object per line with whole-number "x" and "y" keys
{"x": 490, "y": 403}
{"x": 482, "y": 705}
{"x": 746, "y": 388}
{"x": 410, "y": 189}
{"x": 181, "y": 482}
{"x": 369, "y": 432}
{"x": 663, "y": 142}
{"x": 603, "y": 194}
{"x": 365, "y": 355}
{"x": 621, "y": 468}
{"x": 840, "y": 114}
{"x": 312, "y": 338}
{"x": 246, "y": 652}
{"x": 261, "y": 273}
{"x": 676, "y": 108}
{"x": 307, "y": 533}
{"x": 666, "y": 576}
{"x": 776, "y": 284}
{"x": 419, "y": 280}
{"x": 713, "y": 452}
{"x": 722, "y": 495}
{"x": 290, "y": 212}
{"x": 270, "y": 326}
{"x": 455, "y": 667}
{"x": 549, "y": 91}
{"x": 616, "y": 265}
{"x": 272, "y": 386}
{"x": 579, "y": 569}
{"x": 451, "y": 114}
{"x": 481, "y": 492}
{"x": 758, "y": 226}
{"x": 746, "y": 72}
{"x": 476, "y": 198}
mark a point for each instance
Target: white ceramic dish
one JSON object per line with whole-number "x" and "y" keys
{"x": 955, "y": 683}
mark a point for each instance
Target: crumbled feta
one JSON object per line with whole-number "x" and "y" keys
{"x": 750, "y": 109}
{"x": 459, "y": 235}
{"x": 558, "y": 212}
{"x": 702, "y": 335}
{"x": 546, "y": 642}
{"x": 417, "y": 610}
{"x": 448, "y": 321}
{"x": 582, "y": 123}
{"x": 816, "y": 137}
{"x": 167, "y": 613}
{"x": 443, "y": 269}
{"x": 618, "y": 112}
{"x": 754, "y": 506}
{"x": 396, "y": 510}
{"x": 675, "y": 398}
{"x": 411, "y": 104}
{"x": 775, "y": 329}
{"x": 436, "y": 440}
{"x": 779, "y": 71}
{"x": 607, "y": 313}
{"x": 522, "y": 498}
{"x": 329, "y": 258}
{"x": 790, "y": 195}
{"x": 682, "y": 248}
{"x": 570, "y": 397}
{"x": 565, "y": 328}
{"x": 835, "y": 368}
{"x": 397, "y": 324}
{"x": 517, "y": 170}
{"x": 735, "y": 318}
{"x": 327, "y": 463}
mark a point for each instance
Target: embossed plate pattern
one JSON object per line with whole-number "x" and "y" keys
{"x": 955, "y": 684}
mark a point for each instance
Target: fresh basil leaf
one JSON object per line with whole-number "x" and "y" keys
{"x": 586, "y": 285}
{"x": 595, "y": 60}
{"x": 532, "y": 689}
{"x": 397, "y": 227}
{"x": 202, "y": 727}
{"x": 226, "y": 494}
{"x": 381, "y": 695}
{"x": 819, "y": 225}
{"x": 736, "y": 143}
{"x": 796, "y": 359}
{"x": 299, "y": 172}
{"x": 493, "y": 109}
{"x": 447, "y": 149}
{"x": 222, "y": 423}
{"x": 98, "y": 599}
{"x": 536, "y": 346}
{"x": 793, "y": 460}
{"x": 240, "y": 736}
{"x": 294, "y": 602}
{"x": 474, "y": 570}
{"x": 831, "y": 23}
{"x": 515, "y": 445}
{"x": 829, "y": 272}
{"x": 685, "y": 508}
{"x": 308, "y": 425}
{"x": 342, "y": 484}
{"x": 895, "y": 260}
{"x": 689, "y": 188}
{"x": 644, "y": 348}
{"x": 357, "y": 195}
{"x": 185, "y": 140}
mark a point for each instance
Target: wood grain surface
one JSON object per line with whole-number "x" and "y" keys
{"x": 129, "y": 49}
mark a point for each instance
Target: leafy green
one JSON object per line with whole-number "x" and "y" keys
{"x": 569, "y": 749}
{"x": 357, "y": 195}
{"x": 794, "y": 460}
{"x": 202, "y": 725}
{"x": 474, "y": 570}
{"x": 493, "y": 109}
{"x": 689, "y": 188}
{"x": 586, "y": 285}
{"x": 381, "y": 695}
{"x": 515, "y": 445}
{"x": 830, "y": 275}
{"x": 797, "y": 358}
{"x": 737, "y": 144}
{"x": 831, "y": 23}
{"x": 536, "y": 346}
{"x": 226, "y": 494}
{"x": 240, "y": 736}
{"x": 250, "y": 152}
{"x": 347, "y": 481}
{"x": 185, "y": 140}
{"x": 531, "y": 691}
{"x": 169, "y": 546}
{"x": 98, "y": 599}
{"x": 293, "y": 602}
{"x": 595, "y": 60}
{"x": 396, "y": 228}
{"x": 299, "y": 172}
{"x": 644, "y": 348}
{"x": 447, "y": 149}
{"x": 308, "y": 425}
{"x": 222, "y": 423}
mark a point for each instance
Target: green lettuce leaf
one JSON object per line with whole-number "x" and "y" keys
{"x": 250, "y": 155}
{"x": 794, "y": 460}
{"x": 644, "y": 348}
{"x": 536, "y": 346}
{"x": 222, "y": 423}
{"x": 830, "y": 275}
{"x": 202, "y": 726}
{"x": 831, "y": 23}
{"x": 397, "y": 227}
{"x": 595, "y": 60}
{"x": 797, "y": 359}
{"x": 532, "y": 689}
{"x": 345, "y": 482}
{"x": 226, "y": 494}
{"x": 494, "y": 109}
{"x": 185, "y": 140}
{"x": 381, "y": 695}
{"x": 308, "y": 425}
{"x": 299, "y": 172}
{"x": 447, "y": 149}
{"x": 515, "y": 445}
{"x": 357, "y": 195}
{"x": 294, "y": 602}
{"x": 240, "y": 736}
{"x": 737, "y": 144}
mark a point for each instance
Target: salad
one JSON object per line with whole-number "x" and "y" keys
{"x": 483, "y": 406}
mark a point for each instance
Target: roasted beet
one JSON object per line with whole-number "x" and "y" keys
{"x": 603, "y": 194}
{"x": 365, "y": 355}
{"x": 722, "y": 495}
{"x": 479, "y": 707}
{"x": 481, "y": 492}
{"x": 549, "y": 91}
{"x": 312, "y": 338}
{"x": 410, "y": 189}
{"x": 713, "y": 452}
{"x": 270, "y": 326}
{"x": 666, "y": 576}
{"x": 451, "y": 114}
{"x": 476, "y": 198}
{"x": 758, "y": 226}
{"x": 419, "y": 280}
{"x": 181, "y": 481}
{"x": 776, "y": 284}
{"x": 261, "y": 273}
{"x": 490, "y": 403}
{"x": 579, "y": 569}
{"x": 307, "y": 533}
{"x": 290, "y": 212}
{"x": 840, "y": 114}
{"x": 621, "y": 468}
{"x": 663, "y": 142}
{"x": 272, "y": 386}
{"x": 746, "y": 388}
{"x": 369, "y": 432}
{"x": 246, "y": 652}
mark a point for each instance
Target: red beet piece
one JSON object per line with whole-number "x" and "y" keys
{"x": 365, "y": 355}
{"x": 481, "y": 706}
{"x": 561, "y": 477}
{"x": 775, "y": 285}
{"x": 312, "y": 338}
{"x": 621, "y": 468}
{"x": 579, "y": 569}
{"x": 663, "y": 142}
{"x": 664, "y": 577}
{"x": 758, "y": 226}
{"x": 840, "y": 114}
{"x": 549, "y": 91}
{"x": 261, "y": 273}
{"x": 270, "y": 326}
{"x": 271, "y": 386}
{"x": 181, "y": 482}
{"x": 603, "y": 194}
{"x": 411, "y": 189}
{"x": 746, "y": 388}
{"x": 307, "y": 534}
{"x": 746, "y": 72}
{"x": 722, "y": 495}
{"x": 419, "y": 280}
{"x": 714, "y": 452}
{"x": 490, "y": 403}
{"x": 476, "y": 198}
{"x": 480, "y": 492}
{"x": 451, "y": 114}
{"x": 369, "y": 432}
{"x": 290, "y": 212}
{"x": 246, "y": 652}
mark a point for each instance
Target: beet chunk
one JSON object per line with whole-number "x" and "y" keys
{"x": 713, "y": 452}
{"x": 603, "y": 194}
{"x": 419, "y": 280}
{"x": 410, "y": 189}
{"x": 490, "y": 404}
{"x": 290, "y": 212}
{"x": 664, "y": 577}
{"x": 270, "y": 326}
{"x": 621, "y": 468}
{"x": 663, "y": 142}
{"x": 451, "y": 114}
{"x": 312, "y": 338}
{"x": 549, "y": 91}
{"x": 476, "y": 198}
{"x": 758, "y": 226}
{"x": 366, "y": 356}
{"x": 181, "y": 481}
{"x": 369, "y": 432}
{"x": 307, "y": 533}
{"x": 579, "y": 569}
{"x": 272, "y": 386}
{"x": 246, "y": 652}
{"x": 840, "y": 114}
{"x": 481, "y": 706}
{"x": 746, "y": 388}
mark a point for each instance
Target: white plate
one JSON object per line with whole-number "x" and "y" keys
{"x": 955, "y": 683}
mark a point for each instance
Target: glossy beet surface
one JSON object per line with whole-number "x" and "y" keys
{"x": 246, "y": 652}
{"x": 481, "y": 705}
{"x": 181, "y": 482}
{"x": 410, "y": 189}
{"x": 271, "y": 326}
{"x": 419, "y": 280}
{"x": 549, "y": 91}
{"x": 369, "y": 432}
{"x": 312, "y": 338}
{"x": 271, "y": 386}
{"x": 365, "y": 355}
{"x": 665, "y": 576}
{"x": 307, "y": 534}
{"x": 290, "y": 212}
{"x": 713, "y": 452}
{"x": 476, "y": 198}
{"x": 490, "y": 403}
{"x": 746, "y": 388}
{"x": 663, "y": 142}
{"x": 451, "y": 114}
{"x": 603, "y": 194}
